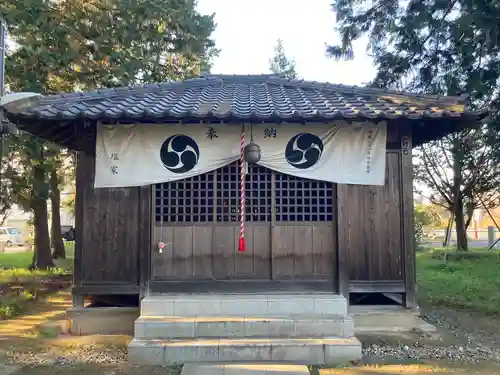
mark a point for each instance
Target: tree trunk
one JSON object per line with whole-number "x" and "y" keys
{"x": 458, "y": 200}
{"x": 3, "y": 218}
{"x": 462, "y": 243}
{"x": 42, "y": 258}
{"x": 55, "y": 199}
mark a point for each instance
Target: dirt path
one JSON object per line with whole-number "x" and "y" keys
{"x": 465, "y": 342}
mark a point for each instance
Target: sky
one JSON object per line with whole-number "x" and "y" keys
{"x": 247, "y": 31}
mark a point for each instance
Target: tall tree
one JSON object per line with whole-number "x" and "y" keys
{"x": 28, "y": 179}
{"x": 461, "y": 177}
{"x": 68, "y": 45}
{"x": 6, "y": 196}
{"x": 437, "y": 47}
{"x": 280, "y": 63}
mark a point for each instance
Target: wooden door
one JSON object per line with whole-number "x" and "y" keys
{"x": 255, "y": 262}
{"x": 289, "y": 227}
{"x": 198, "y": 220}
{"x": 303, "y": 232}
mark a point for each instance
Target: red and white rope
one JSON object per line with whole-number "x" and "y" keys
{"x": 241, "y": 246}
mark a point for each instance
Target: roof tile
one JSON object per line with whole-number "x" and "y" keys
{"x": 254, "y": 97}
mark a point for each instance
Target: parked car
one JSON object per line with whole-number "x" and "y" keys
{"x": 68, "y": 232}
{"x": 10, "y": 236}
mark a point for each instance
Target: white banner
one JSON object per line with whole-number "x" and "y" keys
{"x": 340, "y": 152}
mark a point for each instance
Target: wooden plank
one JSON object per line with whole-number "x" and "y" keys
{"x": 407, "y": 217}
{"x": 392, "y": 266}
{"x": 79, "y": 219}
{"x": 242, "y": 286}
{"x": 338, "y": 270}
{"x": 273, "y": 221}
{"x": 303, "y": 248}
{"x": 163, "y": 263}
{"x": 379, "y": 286}
{"x": 183, "y": 252}
{"x": 343, "y": 240}
{"x": 393, "y": 132}
{"x": 107, "y": 221}
{"x": 224, "y": 250}
{"x": 261, "y": 239}
{"x": 244, "y": 261}
{"x": 284, "y": 253}
{"x": 145, "y": 236}
{"x": 369, "y": 227}
{"x": 106, "y": 289}
{"x": 323, "y": 246}
{"x": 202, "y": 252}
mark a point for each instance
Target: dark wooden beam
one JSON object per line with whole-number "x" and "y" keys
{"x": 340, "y": 211}
{"x": 106, "y": 289}
{"x": 145, "y": 240}
{"x": 376, "y": 286}
{"x": 407, "y": 229}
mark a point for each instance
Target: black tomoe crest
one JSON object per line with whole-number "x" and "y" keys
{"x": 179, "y": 153}
{"x": 304, "y": 150}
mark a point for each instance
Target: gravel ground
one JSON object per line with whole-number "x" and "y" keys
{"x": 93, "y": 354}
{"x": 461, "y": 337}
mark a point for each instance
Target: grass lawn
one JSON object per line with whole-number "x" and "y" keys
{"x": 472, "y": 284}
{"x": 22, "y": 260}
{"x": 20, "y": 286}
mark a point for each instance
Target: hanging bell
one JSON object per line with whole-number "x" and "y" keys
{"x": 252, "y": 153}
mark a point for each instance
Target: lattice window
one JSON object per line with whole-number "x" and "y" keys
{"x": 298, "y": 199}
{"x": 195, "y": 199}
{"x": 189, "y": 200}
{"x": 257, "y": 194}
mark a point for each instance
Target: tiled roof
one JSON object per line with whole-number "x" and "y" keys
{"x": 243, "y": 98}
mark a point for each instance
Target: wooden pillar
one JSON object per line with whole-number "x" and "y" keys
{"x": 85, "y": 135}
{"x": 408, "y": 242}
{"x": 342, "y": 254}
{"x": 145, "y": 239}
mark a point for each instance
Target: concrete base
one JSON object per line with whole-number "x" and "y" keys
{"x": 312, "y": 329}
{"x": 244, "y": 369}
{"x": 328, "y": 350}
{"x": 387, "y": 319}
{"x": 102, "y": 320}
{"x": 120, "y": 320}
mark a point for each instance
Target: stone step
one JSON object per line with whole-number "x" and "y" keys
{"x": 242, "y": 304}
{"x": 244, "y": 369}
{"x": 160, "y": 327}
{"x": 310, "y": 351}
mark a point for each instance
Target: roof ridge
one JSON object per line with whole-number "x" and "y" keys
{"x": 367, "y": 90}
{"x": 219, "y": 79}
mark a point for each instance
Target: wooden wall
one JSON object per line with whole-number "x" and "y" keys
{"x": 297, "y": 251}
{"x": 374, "y": 230}
{"x": 112, "y": 235}
{"x": 369, "y": 227}
{"x": 375, "y": 227}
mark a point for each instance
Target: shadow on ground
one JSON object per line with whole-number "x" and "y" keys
{"x": 25, "y": 351}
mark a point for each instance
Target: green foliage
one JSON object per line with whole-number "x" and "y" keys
{"x": 6, "y": 194}
{"x": 84, "y": 44}
{"x": 12, "y": 304}
{"x": 425, "y": 218}
{"x": 466, "y": 283}
{"x": 280, "y": 63}
{"x": 70, "y": 45}
{"x": 27, "y": 154}
{"x": 446, "y": 48}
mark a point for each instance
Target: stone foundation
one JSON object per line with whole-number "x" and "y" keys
{"x": 102, "y": 320}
